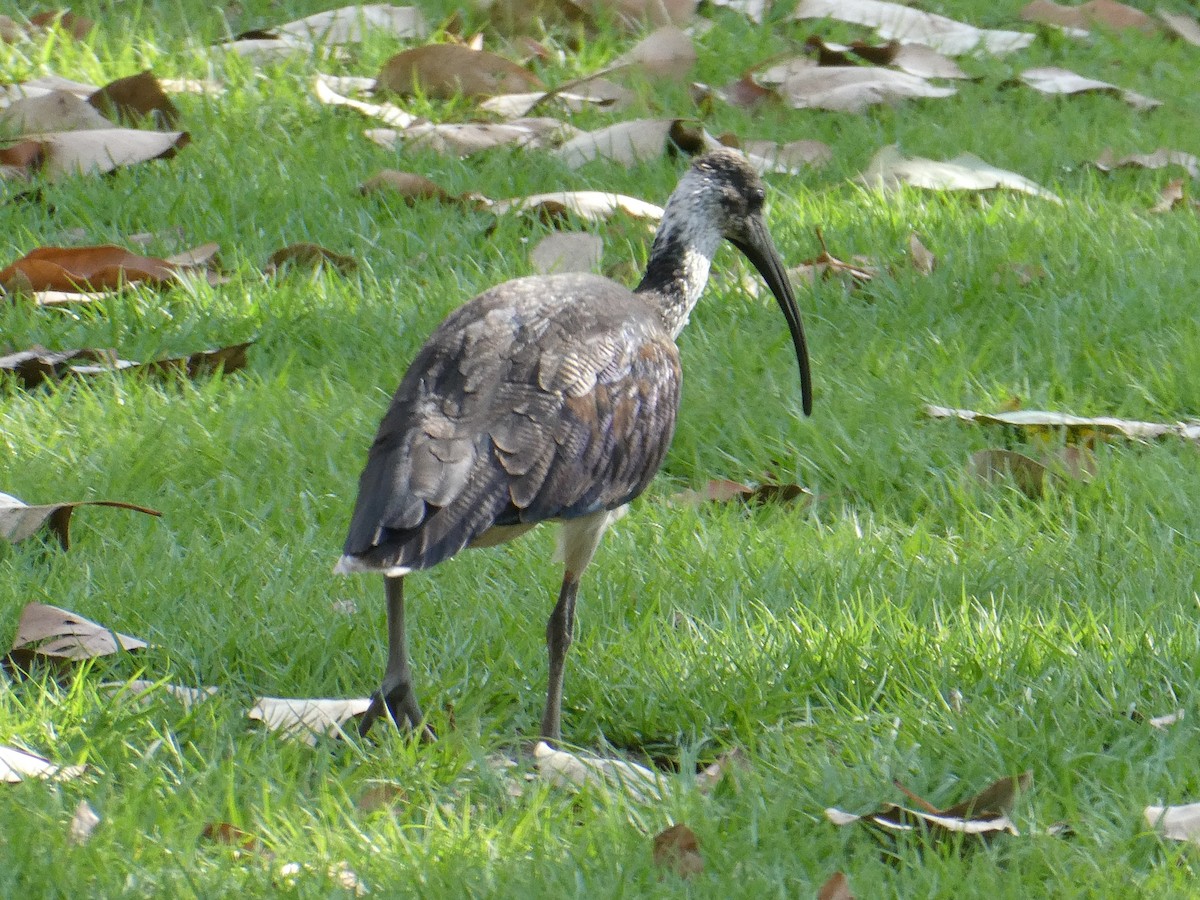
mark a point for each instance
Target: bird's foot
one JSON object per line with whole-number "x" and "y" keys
{"x": 399, "y": 706}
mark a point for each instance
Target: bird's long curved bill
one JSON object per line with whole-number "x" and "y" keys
{"x": 760, "y": 250}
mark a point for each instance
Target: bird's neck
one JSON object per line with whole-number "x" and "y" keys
{"x": 678, "y": 267}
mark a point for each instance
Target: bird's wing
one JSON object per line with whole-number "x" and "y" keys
{"x": 540, "y": 399}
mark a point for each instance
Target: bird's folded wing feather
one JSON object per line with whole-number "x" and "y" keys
{"x": 521, "y": 407}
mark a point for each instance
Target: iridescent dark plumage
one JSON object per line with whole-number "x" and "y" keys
{"x": 546, "y": 398}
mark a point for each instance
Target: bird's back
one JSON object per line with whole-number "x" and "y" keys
{"x": 542, "y": 398}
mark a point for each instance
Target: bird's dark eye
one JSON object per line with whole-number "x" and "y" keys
{"x": 757, "y": 196}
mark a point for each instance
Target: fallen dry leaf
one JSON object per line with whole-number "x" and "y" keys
{"x": 922, "y": 260}
{"x": 102, "y": 150}
{"x": 383, "y": 795}
{"x": 722, "y": 490}
{"x": 516, "y": 106}
{"x": 1162, "y": 723}
{"x": 630, "y": 142}
{"x": 48, "y": 112}
{"x": 635, "y": 13}
{"x": 677, "y": 850}
{"x": 19, "y": 520}
{"x": 592, "y": 206}
{"x": 1052, "y": 80}
{"x": 724, "y": 765}
{"x": 93, "y": 268}
{"x": 1159, "y": 159}
{"x": 77, "y": 26}
{"x": 442, "y": 71}
{"x": 889, "y": 169}
{"x": 351, "y": 24}
{"x": 38, "y": 365}
{"x": 564, "y": 769}
{"x": 849, "y": 88}
{"x": 827, "y": 265}
{"x": 307, "y": 719}
{"x": 1172, "y": 196}
{"x": 997, "y": 466}
{"x": 785, "y": 159}
{"x": 567, "y": 251}
{"x": 1076, "y": 428}
{"x": 232, "y": 836}
{"x": 1179, "y": 823}
{"x": 836, "y": 888}
{"x": 83, "y": 823}
{"x": 326, "y": 89}
{"x": 1107, "y": 13}
{"x": 141, "y": 688}
{"x": 47, "y": 633}
{"x": 20, "y": 765}
{"x": 22, "y": 159}
{"x": 912, "y": 26}
{"x": 984, "y": 815}
{"x": 915, "y": 59}
{"x": 1181, "y": 26}
{"x": 134, "y": 98}
{"x": 413, "y": 188}
{"x": 664, "y": 53}
{"x": 466, "y": 139}
{"x": 306, "y": 255}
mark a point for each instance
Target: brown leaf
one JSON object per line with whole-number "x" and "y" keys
{"x": 1077, "y": 428}
{"x": 1053, "y": 80}
{"x": 202, "y": 362}
{"x": 307, "y": 719}
{"x": 413, "y": 188}
{"x": 20, "y": 765}
{"x": 442, "y": 71}
{"x": 826, "y": 265}
{"x": 232, "y": 836}
{"x": 722, "y": 490}
{"x": 677, "y": 850}
{"x": 747, "y": 93}
{"x": 1181, "y": 26}
{"x": 19, "y": 521}
{"x": 922, "y": 260}
{"x": 47, "y": 633}
{"x": 836, "y": 888}
{"x": 567, "y": 251}
{"x": 22, "y": 159}
{"x": 383, "y": 795}
{"x": 84, "y": 269}
{"x": 996, "y": 466}
{"x": 520, "y": 17}
{"x": 997, "y": 797}
{"x": 893, "y": 21}
{"x": 1159, "y": 159}
{"x": 39, "y": 365}
{"x": 78, "y": 27}
{"x": 664, "y": 53}
{"x": 306, "y": 255}
{"x": 1107, "y": 13}
{"x": 135, "y": 97}
{"x": 915, "y": 59}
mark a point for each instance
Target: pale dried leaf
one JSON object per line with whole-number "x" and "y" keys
{"x": 634, "y": 13}
{"x": 19, "y": 520}
{"x": 1159, "y": 159}
{"x": 48, "y": 632}
{"x": 912, "y": 26}
{"x": 567, "y": 769}
{"x": 889, "y": 169}
{"x": 205, "y": 87}
{"x": 725, "y": 764}
{"x": 141, "y": 689}
{"x": 915, "y": 59}
{"x": 592, "y": 206}
{"x": 514, "y": 106}
{"x": 264, "y": 51}
{"x": 792, "y": 158}
{"x": 388, "y": 113}
{"x": 20, "y": 765}
{"x": 854, "y": 88}
{"x": 1076, "y": 427}
{"x": 54, "y": 111}
{"x": 83, "y": 823}
{"x": 922, "y": 260}
{"x": 677, "y": 850}
{"x": 664, "y": 53}
{"x": 836, "y": 888}
{"x": 467, "y": 139}
{"x": 40, "y": 87}
{"x": 1179, "y": 823}
{"x": 1053, "y": 80}
{"x": 351, "y": 24}
{"x": 1182, "y": 26}
{"x": 102, "y": 150}
{"x": 1171, "y": 196}
{"x": 307, "y": 719}
{"x": 628, "y": 143}
{"x": 567, "y": 251}
{"x": 1162, "y": 723}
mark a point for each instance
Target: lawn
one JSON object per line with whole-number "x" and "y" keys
{"x": 910, "y": 623}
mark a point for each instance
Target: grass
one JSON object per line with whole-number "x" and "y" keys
{"x": 825, "y": 641}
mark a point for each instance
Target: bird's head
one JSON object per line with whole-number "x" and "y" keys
{"x": 730, "y": 192}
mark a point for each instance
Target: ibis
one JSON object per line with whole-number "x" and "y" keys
{"x": 547, "y": 399}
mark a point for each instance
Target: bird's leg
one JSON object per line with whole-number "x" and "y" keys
{"x": 559, "y": 632}
{"x": 396, "y": 693}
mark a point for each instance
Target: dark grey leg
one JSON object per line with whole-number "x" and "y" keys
{"x": 560, "y": 630}
{"x": 396, "y": 693}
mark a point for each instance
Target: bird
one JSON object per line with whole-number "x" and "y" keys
{"x": 547, "y": 398}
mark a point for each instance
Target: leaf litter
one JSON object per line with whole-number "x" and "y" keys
{"x": 49, "y": 634}
{"x": 677, "y": 850}
{"x": 307, "y": 720}
{"x": 563, "y": 769}
{"x": 19, "y": 520}
{"x": 20, "y": 765}
{"x": 889, "y": 169}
